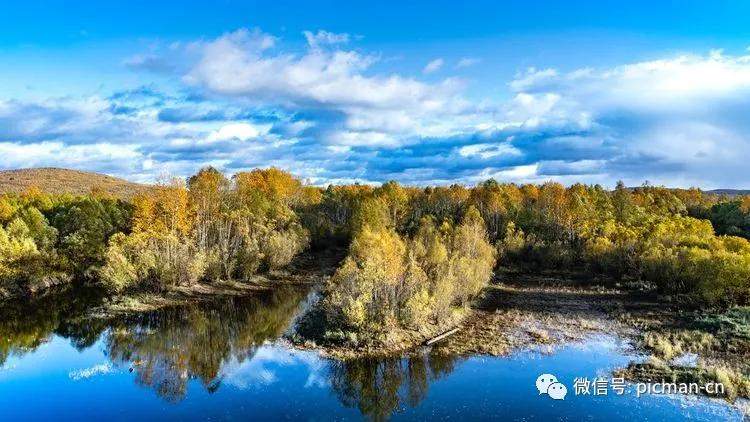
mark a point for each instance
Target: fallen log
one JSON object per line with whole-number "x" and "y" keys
{"x": 441, "y": 336}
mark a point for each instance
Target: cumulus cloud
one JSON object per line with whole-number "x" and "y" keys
{"x": 676, "y": 120}
{"x": 352, "y": 105}
{"x": 433, "y": 66}
{"x": 230, "y": 65}
{"x": 239, "y": 131}
{"x": 329, "y": 114}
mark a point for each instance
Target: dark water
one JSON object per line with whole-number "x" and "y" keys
{"x": 225, "y": 360}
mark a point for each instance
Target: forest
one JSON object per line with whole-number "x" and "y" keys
{"x": 414, "y": 254}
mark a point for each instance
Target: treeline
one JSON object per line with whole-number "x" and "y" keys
{"x": 47, "y": 240}
{"x": 177, "y": 233}
{"x": 210, "y": 228}
{"x": 415, "y": 254}
{"x": 409, "y": 245}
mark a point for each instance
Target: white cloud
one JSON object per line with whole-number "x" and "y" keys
{"x": 364, "y": 106}
{"x": 333, "y": 78}
{"x": 657, "y": 83}
{"x": 240, "y": 131}
{"x": 489, "y": 150}
{"x": 330, "y": 115}
{"x": 532, "y": 77}
{"x": 467, "y": 62}
{"x": 433, "y": 66}
{"x": 675, "y": 120}
{"x": 315, "y": 40}
{"x": 512, "y": 174}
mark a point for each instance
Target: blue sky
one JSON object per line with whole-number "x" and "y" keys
{"x": 421, "y": 92}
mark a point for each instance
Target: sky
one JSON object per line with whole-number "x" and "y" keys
{"x": 420, "y": 92}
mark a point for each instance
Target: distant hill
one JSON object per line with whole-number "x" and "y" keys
{"x": 56, "y": 181}
{"x": 730, "y": 192}
{"x": 727, "y": 192}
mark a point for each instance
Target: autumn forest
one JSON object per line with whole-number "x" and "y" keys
{"x": 414, "y": 255}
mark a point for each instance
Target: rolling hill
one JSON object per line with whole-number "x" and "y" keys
{"x": 57, "y": 180}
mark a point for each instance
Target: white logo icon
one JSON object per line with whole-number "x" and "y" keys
{"x": 548, "y": 384}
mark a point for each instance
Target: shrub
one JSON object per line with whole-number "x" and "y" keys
{"x": 281, "y": 246}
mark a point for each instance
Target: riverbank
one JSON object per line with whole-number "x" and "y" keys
{"x": 516, "y": 312}
{"x": 306, "y": 271}
{"x": 544, "y": 313}
{"x": 37, "y": 287}
{"x": 312, "y": 333}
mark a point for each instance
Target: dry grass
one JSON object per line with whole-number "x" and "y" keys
{"x": 736, "y": 384}
{"x": 58, "y": 181}
{"x": 668, "y": 345}
{"x": 521, "y": 315}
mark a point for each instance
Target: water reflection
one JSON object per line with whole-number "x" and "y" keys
{"x": 26, "y": 326}
{"x": 219, "y": 359}
{"x": 380, "y": 387}
{"x": 169, "y": 347}
{"x": 165, "y": 348}
{"x": 214, "y": 343}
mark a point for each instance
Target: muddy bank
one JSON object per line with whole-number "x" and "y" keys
{"x": 174, "y": 296}
{"x": 528, "y": 312}
{"x": 693, "y": 346}
{"x": 311, "y": 334}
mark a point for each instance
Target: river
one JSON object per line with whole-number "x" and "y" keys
{"x": 226, "y": 359}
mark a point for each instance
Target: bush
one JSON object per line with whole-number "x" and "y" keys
{"x": 282, "y": 246}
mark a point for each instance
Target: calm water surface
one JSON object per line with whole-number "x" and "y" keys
{"x": 224, "y": 360}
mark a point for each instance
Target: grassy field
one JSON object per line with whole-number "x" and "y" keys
{"x": 56, "y": 180}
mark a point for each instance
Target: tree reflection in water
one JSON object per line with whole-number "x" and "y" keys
{"x": 24, "y": 326}
{"x": 379, "y": 387}
{"x": 169, "y": 347}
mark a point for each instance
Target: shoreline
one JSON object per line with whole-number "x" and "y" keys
{"x": 514, "y": 314}
{"x": 525, "y": 312}
{"x": 517, "y": 312}
{"x": 126, "y": 304}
